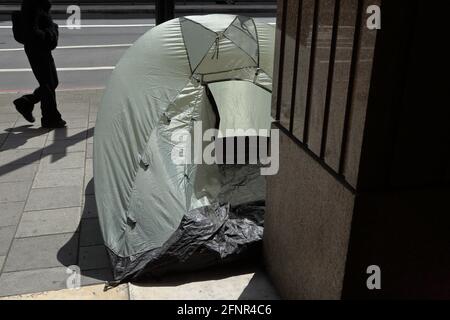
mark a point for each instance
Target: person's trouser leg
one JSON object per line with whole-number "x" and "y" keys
{"x": 34, "y": 97}
{"x": 49, "y": 109}
{"x": 44, "y": 69}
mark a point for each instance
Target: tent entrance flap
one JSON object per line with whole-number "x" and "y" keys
{"x": 244, "y": 108}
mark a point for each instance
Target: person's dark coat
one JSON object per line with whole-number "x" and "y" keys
{"x": 41, "y": 33}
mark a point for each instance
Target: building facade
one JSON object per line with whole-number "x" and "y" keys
{"x": 363, "y": 186}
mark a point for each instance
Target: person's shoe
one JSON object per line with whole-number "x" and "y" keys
{"x": 54, "y": 124}
{"x": 25, "y": 108}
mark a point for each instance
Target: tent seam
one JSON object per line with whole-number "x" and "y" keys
{"x": 201, "y": 24}
{"x": 225, "y": 36}
{"x": 184, "y": 42}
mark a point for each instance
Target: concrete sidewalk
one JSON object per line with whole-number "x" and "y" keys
{"x": 215, "y": 285}
{"x": 48, "y": 216}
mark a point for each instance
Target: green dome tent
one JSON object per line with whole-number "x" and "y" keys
{"x": 158, "y": 216}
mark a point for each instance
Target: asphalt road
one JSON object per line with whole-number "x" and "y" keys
{"x": 84, "y": 58}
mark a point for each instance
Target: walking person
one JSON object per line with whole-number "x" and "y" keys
{"x": 40, "y": 38}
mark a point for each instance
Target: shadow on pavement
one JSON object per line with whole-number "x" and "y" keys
{"x": 259, "y": 288}
{"x": 88, "y": 242}
{"x": 18, "y": 136}
{"x": 96, "y": 268}
{"x": 211, "y": 273}
{"x": 21, "y": 135}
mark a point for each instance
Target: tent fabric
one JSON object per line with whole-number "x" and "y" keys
{"x": 242, "y": 105}
{"x": 158, "y": 89}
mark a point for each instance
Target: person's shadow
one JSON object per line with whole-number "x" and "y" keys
{"x": 14, "y": 138}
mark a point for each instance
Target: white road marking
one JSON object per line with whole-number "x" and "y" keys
{"x": 99, "y": 26}
{"x": 78, "y": 47}
{"x": 110, "y": 25}
{"x": 60, "y": 69}
{"x": 9, "y": 91}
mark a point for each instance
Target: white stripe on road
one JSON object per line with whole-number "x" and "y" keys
{"x": 111, "y": 25}
{"x": 60, "y": 69}
{"x": 9, "y": 91}
{"x": 99, "y": 26}
{"x": 126, "y": 45}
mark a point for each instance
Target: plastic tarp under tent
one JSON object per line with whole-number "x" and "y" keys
{"x": 159, "y": 216}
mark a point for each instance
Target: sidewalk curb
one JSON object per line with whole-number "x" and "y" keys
{"x": 91, "y": 292}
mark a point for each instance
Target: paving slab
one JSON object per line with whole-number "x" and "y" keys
{"x": 14, "y": 191}
{"x": 48, "y": 222}
{"x": 89, "y": 151}
{"x": 92, "y": 258}
{"x": 7, "y": 99}
{"x": 54, "y": 198}
{"x": 7, "y": 118}
{"x": 69, "y": 117}
{"x": 96, "y": 276}
{"x": 90, "y": 233}
{"x": 93, "y": 116}
{"x": 22, "y": 122}
{"x": 10, "y": 213}
{"x": 42, "y": 252}
{"x": 248, "y": 286}
{"x": 3, "y": 136}
{"x": 89, "y": 187}
{"x": 18, "y": 172}
{"x": 26, "y": 131}
{"x": 59, "y": 178}
{"x": 73, "y": 114}
{"x": 25, "y": 156}
{"x": 90, "y": 207}
{"x": 6, "y": 238}
{"x": 68, "y": 134}
{"x": 53, "y": 208}
{"x": 7, "y": 110}
{"x": 73, "y": 96}
{"x": 20, "y": 142}
{"x": 75, "y": 123}
{"x": 94, "y": 292}
{"x": 71, "y": 111}
{"x": 6, "y": 125}
{"x": 14, "y": 283}
{"x": 64, "y": 146}
{"x": 74, "y": 105}
{"x": 68, "y": 161}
